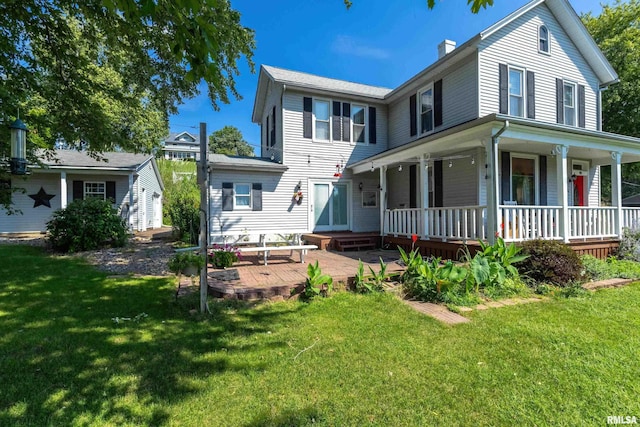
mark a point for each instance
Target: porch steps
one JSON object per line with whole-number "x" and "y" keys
{"x": 342, "y": 241}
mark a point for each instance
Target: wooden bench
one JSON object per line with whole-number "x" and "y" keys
{"x": 267, "y": 249}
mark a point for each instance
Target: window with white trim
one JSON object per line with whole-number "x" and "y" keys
{"x": 516, "y": 92}
{"x": 358, "y": 123}
{"x": 524, "y": 179}
{"x": 426, "y": 110}
{"x": 95, "y": 190}
{"x": 321, "y": 120}
{"x": 543, "y": 39}
{"x": 242, "y": 196}
{"x": 569, "y": 102}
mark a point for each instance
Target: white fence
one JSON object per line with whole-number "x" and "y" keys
{"x": 459, "y": 223}
{"x": 519, "y": 223}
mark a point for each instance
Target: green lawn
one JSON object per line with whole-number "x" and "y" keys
{"x": 367, "y": 360}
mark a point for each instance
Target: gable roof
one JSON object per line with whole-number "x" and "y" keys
{"x": 226, "y": 162}
{"x": 174, "y": 137}
{"x": 81, "y": 159}
{"x": 308, "y": 81}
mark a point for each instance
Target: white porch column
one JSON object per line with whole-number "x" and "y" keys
{"x": 383, "y": 198}
{"x": 131, "y": 199}
{"x": 63, "y": 189}
{"x": 424, "y": 185}
{"x": 561, "y": 152}
{"x": 493, "y": 189}
{"x": 616, "y": 190}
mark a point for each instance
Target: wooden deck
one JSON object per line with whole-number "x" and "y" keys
{"x": 342, "y": 241}
{"x": 451, "y": 250}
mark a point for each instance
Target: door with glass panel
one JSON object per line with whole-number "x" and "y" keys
{"x": 330, "y": 207}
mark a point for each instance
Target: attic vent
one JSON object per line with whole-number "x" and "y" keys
{"x": 446, "y": 47}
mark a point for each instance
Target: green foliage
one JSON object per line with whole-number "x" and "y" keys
{"x": 179, "y": 179}
{"x": 611, "y": 268}
{"x": 183, "y": 210}
{"x": 475, "y": 4}
{"x": 229, "y": 140}
{"x": 630, "y": 245}
{"x": 551, "y": 261}
{"x": 377, "y": 281}
{"x": 181, "y": 261}
{"x": 108, "y": 73}
{"x": 317, "y": 284}
{"x": 223, "y": 256}
{"x": 86, "y": 225}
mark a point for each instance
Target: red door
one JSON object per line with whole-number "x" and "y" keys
{"x": 578, "y": 191}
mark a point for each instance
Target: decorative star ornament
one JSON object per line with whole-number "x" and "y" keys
{"x": 42, "y": 198}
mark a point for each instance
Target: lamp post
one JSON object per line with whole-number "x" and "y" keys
{"x": 18, "y": 160}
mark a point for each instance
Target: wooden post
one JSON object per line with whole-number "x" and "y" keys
{"x": 203, "y": 182}
{"x": 561, "y": 152}
{"x": 616, "y": 191}
{"x": 383, "y": 198}
{"x": 424, "y": 185}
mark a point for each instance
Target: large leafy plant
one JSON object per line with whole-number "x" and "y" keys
{"x": 317, "y": 284}
{"x": 377, "y": 281}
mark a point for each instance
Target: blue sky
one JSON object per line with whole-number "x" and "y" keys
{"x": 377, "y": 42}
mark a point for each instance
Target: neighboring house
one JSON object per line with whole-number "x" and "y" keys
{"x": 181, "y": 146}
{"x": 131, "y": 181}
{"x": 501, "y": 136}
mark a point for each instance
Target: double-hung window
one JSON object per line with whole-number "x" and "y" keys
{"x": 95, "y": 190}
{"x": 358, "y": 118}
{"x": 242, "y": 194}
{"x": 426, "y": 110}
{"x": 523, "y": 179}
{"x": 516, "y": 92}
{"x": 322, "y": 125}
{"x": 543, "y": 39}
{"x": 569, "y": 102}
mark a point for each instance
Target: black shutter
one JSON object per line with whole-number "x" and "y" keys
{"x": 346, "y": 121}
{"x": 227, "y": 196}
{"x": 337, "y": 121}
{"x": 256, "y": 196}
{"x": 438, "y": 201}
{"x": 413, "y": 119}
{"x": 111, "y": 191}
{"x": 581, "y": 112}
{"x": 266, "y": 132}
{"x": 78, "y": 190}
{"x": 504, "y": 88}
{"x": 559, "y": 101}
{"x": 531, "y": 95}
{"x": 306, "y": 117}
{"x": 413, "y": 188}
{"x": 543, "y": 180}
{"x": 437, "y": 103}
{"x": 273, "y": 127}
{"x": 506, "y": 176}
{"x": 372, "y": 125}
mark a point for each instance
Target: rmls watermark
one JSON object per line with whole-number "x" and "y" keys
{"x": 621, "y": 419}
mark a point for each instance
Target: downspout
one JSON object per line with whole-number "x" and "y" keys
{"x": 494, "y": 193}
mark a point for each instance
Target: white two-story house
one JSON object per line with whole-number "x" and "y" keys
{"x": 501, "y": 136}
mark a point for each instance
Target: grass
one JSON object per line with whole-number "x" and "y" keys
{"x": 346, "y": 360}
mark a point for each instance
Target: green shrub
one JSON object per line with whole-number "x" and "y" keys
{"x": 179, "y": 263}
{"x": 598, "y": 269}
{"x": 375, "y": 282}
{"x": 317, "y": 284}
{"x": 184, "y": 212}
{"x": 630, "y": 245}
{"x": 223, "y": 256}
{"x": 86, "y": 225}
{"x": 550, "y": 261}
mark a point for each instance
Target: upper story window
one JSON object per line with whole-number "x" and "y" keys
{"x": 322, "y": 127}
{"x": 95, "y": 189}
{"x": 426, "y": 110}
{"x": 358, "y": 123}
{"x": 543, "y": 39}
{"x": 569, "y": 101}
{"x": 516, "y": 92}
{"x": 242, "y": 195}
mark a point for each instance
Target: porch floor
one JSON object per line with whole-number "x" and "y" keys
{"x": 341, "y": 240}
{"x": 284, "y": 273}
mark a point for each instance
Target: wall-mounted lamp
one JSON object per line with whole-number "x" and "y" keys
{"x": 18, "y": 161}
{"x": 572, "y": 178}
{"x": 450, "y": 163}
{"x": 372, "y": 168}
{"x": 360, "y": 186}
{"x": 473, "y": 160}
{"x": 400, "y": 168}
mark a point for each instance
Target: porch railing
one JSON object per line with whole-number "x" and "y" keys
{"x": 459, "y": 223}
{"x": 516, "y": 223}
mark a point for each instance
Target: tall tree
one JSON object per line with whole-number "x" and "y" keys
{"x": 229, "y": 140}
{"x": 617, "y": 32}
{"x": 102, "y": 74}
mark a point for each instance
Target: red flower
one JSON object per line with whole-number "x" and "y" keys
{"x": 414, "y": 238}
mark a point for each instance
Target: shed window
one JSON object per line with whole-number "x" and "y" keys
{"x": 543, "y": 39}
{"x": 95, "y": 189}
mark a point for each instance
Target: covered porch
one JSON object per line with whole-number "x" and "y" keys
{"x": 499, "y": 176}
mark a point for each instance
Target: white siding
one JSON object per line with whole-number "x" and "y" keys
{"x": 459, "y": 102}
{"x": 149, "y": 181}
{"x": 460, "y": 181}
{"x": 398, "y": 189}
{"x": 273, "y": 99}
{"x": 517, "y": 44}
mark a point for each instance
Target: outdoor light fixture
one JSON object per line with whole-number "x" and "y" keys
{"x": 360, "y": 186}
{"x": 450, "y": 163}
{"x": 372, "y": 168}
{"x": 400, "y": 168}
{"x": 18, "y": 161}
{"x": 473, "y": 160}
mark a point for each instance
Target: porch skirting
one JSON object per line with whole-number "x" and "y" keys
{"x": 453, "y": 249}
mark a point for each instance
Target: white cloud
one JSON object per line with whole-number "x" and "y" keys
{"x": 349, "y": 45}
